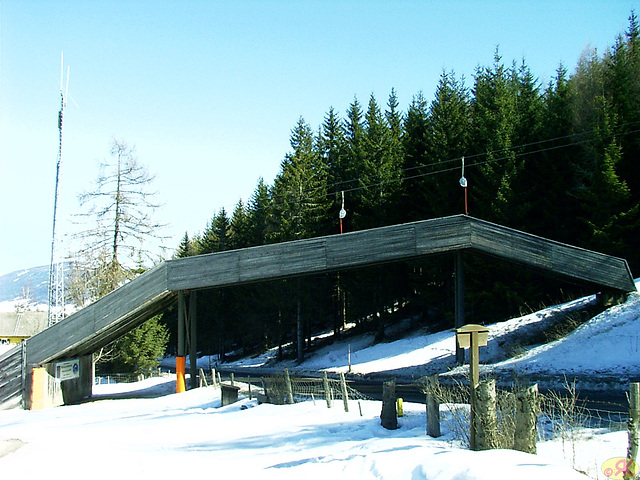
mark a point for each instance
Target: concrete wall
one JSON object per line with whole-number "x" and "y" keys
{"x": 79, "y": 388}
{"x": 44, "y": 391}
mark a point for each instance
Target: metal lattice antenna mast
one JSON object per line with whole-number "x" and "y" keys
{"x": 55, "y": 312}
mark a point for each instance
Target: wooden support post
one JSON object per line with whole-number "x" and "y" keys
{"x": 634, "y": 419}
{"x": 484, "y": 424}
{"x": 433, "y": 407}
{"x": 264, "y": 389}
{"x": 389, "y": 416}
{"x": 459, "y": 300}
{"x": 526, "y": 432}
{"x": 193, "y": 350}
{"x": 232, "y": 379}
{"x": 345, "y": 395}
{"x": 327, "y": 390}
{"x": 289, "y": 388}
{"x": 203, "y": 379}
{"x": 299, "y": 324}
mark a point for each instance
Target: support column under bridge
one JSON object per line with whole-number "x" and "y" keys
{"x": 187, "y": 339}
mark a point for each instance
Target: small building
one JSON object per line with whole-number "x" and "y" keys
{"x": 18, "y": 326}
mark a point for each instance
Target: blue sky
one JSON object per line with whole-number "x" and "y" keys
{"x": 208, "y": 91}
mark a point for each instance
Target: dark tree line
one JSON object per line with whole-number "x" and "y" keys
{"x": 560, "y": 160}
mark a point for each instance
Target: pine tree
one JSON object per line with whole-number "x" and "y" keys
{"x": 331, "y": 148}
{"x": 529, "y": 112}
{"x": 546, "y": 204}
{"x": 215, "y": 238}
{"x": 394, "y": 120}
{"x": 187, "y": 248}
{"x": 239, "y": 227}
{"x": 448, "y": 134}
{"x": 299, "y": 192}
{"x": 139, "y": 351}
{"x": 622, "y": 82}
{"x": 353, "y": 164}
{"x": 494, "y": 127}
{"x": 414, "y": 204}
{"x": 259, "y": 215}
{"x": 380, "y": 173}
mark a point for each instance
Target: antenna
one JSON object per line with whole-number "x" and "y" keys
{"x": 55, "y": 311}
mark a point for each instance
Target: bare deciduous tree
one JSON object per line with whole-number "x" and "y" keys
{"x": 118, "y": 211}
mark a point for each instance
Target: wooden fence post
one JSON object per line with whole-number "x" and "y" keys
{"x": 526, "y": 432}
{"x": 264, "y": 388}
{"x": 345, "y": 395}
{"x": 288, "y": 386}
{"x": 388, "y": 416}
{"x": 327, "y": 390}
{"x": 634, "y": 419}
{"x": 484, "y": 425}
{"x": 433, "y": 407}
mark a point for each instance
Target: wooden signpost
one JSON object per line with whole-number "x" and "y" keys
{"x": 472, "y": 336}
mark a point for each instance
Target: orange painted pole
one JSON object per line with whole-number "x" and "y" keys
{"x": 181, "y": 366}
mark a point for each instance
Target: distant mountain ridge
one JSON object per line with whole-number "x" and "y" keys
{"x": 29, "y": 281}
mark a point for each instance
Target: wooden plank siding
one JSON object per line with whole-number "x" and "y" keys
{"x": 443, "y": 235}
{"x": 555, "y": 257}
{"x": 130, "y": 305}
{"x": 317, "y": 255}
{"x": 11, "y": 378}
{"x": 102, "y": 321}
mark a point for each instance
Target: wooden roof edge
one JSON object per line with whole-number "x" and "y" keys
{"x": 619, "y": 277}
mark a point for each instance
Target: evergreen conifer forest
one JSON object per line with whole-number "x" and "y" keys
{"x": 560, "y": 160}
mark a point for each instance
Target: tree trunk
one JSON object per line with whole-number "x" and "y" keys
{"x": 484, "y": 419}
{"x": 526, "y": 432}
{"x": 433, "y": 407}
{"x": 634, "y": 419}
{"x": 389, "y": 416}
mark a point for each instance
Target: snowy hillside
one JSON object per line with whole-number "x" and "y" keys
{"x": 31, "y": 282}
{"x": 613, "y": 354}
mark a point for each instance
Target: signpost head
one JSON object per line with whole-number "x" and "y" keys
{"x": 464, "y": 334}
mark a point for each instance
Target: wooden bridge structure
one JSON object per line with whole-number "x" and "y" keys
{"x": 175, "y": 281}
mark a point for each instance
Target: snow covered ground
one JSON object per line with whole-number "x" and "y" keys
{"x": 191, "y": 434}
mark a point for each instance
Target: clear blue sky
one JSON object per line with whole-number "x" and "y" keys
{"x": 208, "y": 91}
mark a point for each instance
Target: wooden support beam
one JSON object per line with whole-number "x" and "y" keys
{"x": 181, "y": 324}
{"x": 193, "y": 344}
